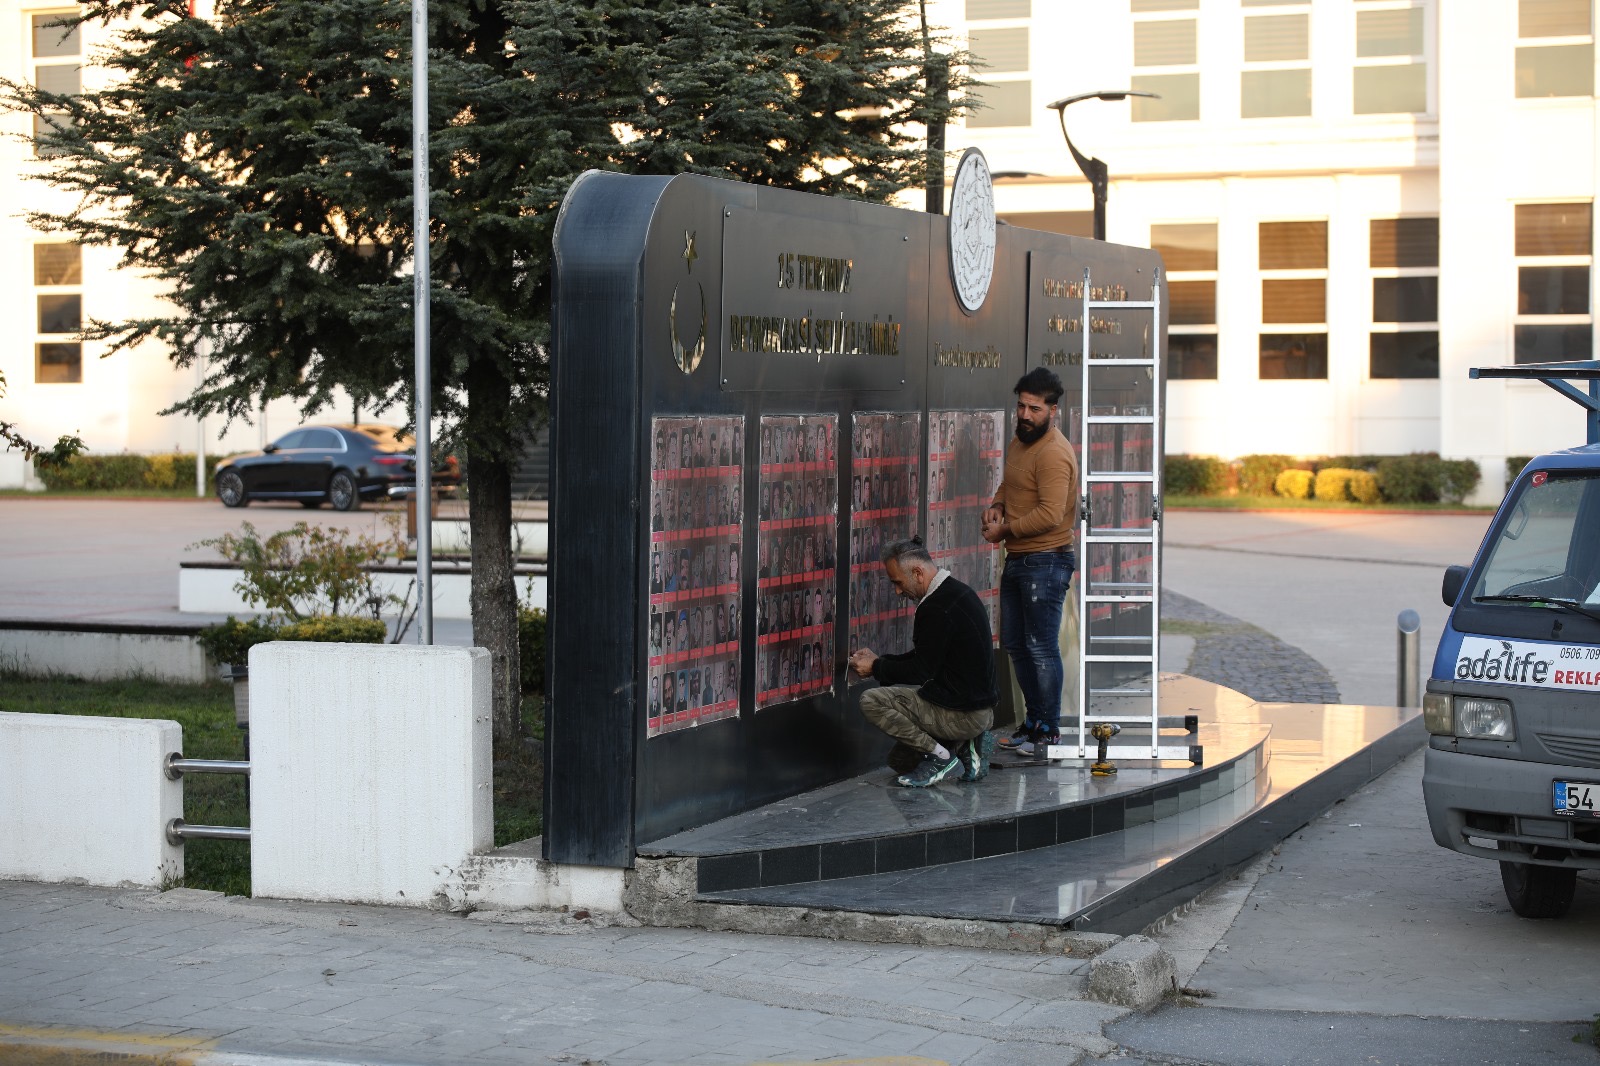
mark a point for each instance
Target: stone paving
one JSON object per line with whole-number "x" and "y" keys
{"x": 320, "y": 983}
{"x": 1243, "y": 657}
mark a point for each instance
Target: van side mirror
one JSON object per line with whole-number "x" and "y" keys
{"x": 1454, "y": 578}
{"x": 269, "y": 448}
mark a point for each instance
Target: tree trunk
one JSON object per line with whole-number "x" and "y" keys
{"x": 494, "y": 589}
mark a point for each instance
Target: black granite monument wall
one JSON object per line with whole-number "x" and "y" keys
{"x": 752, "y": 391}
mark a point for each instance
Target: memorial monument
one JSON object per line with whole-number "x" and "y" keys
{"x": 753, "y": 390}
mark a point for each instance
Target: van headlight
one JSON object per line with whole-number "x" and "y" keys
{"x": 1487, "y": 719}
{"x": 1436, "y": 716}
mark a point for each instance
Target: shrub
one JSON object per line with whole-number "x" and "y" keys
{"x": 1294, "y": 483}
{"x": 124, "y": 472}
{"x": 1194, "y": 475}
{"x": 1347, "y": 462}
{"x": 1423, "y": 477}
{"x": 231, "y": 641}
{"x": 531, "y": 630}
{"x": 1364, "y": 487}
{"x": 1515, "y": 465}
{"x": 1408, "y": 479}
{"x": 1457, "y": 479}
{"x": 336, "y": 629}
{"x": 307, "y": 571}
{"x": 1333, "y": 483}
{"x": 1258, "y": 474}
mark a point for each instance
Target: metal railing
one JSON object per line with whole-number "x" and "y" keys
{"x": 178, "y": 831}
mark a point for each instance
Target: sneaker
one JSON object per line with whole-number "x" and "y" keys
{"x": 1038, "y": 741}
{"x": 1022, "y": 736}
{"x": 974, "y": 755}
{"x": 930, "y": 771}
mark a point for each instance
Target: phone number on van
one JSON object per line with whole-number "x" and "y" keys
{"x": 1514, "y": 662}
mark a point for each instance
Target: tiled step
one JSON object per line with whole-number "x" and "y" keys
{"x": 1122, "y": 880}
{"x": 868, "y": 825}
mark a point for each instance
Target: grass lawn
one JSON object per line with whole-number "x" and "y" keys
{"x": 206, "y": 714}
{"x": 1288, "y": 503}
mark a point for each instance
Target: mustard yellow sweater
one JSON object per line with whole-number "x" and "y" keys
{"x": 1040, "y": 493}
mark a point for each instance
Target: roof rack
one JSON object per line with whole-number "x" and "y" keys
{"x": 1558, "y": 376}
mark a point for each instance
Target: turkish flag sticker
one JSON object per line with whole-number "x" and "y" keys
{"x": 1540, "y": 478}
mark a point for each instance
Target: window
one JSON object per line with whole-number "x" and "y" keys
{"x": 1276, "y": 82}
{"x": 1404, "y": 259}
{"x": 1166, "y": 60}
{"x": 58, "y": 303}
{"x": 1391, "y": 73}
{"x": 56, "y": 58}
{"x": 1294, "y": 302}
{"x": 1000, "y": 55}
{"x": 1555, "y": 48}
{"x": 1554, "y": 249}
{"x": 1189, "y": 250}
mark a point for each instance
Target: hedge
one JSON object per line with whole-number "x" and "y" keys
{"x": 1195, "y": 475}
{"x": 1423, "y": 477}
{"x": 1258, "y": 474}
{"x": 1332, "y": 483}
{"x": 126, "y": 472}
{"x": 1514, "y": 465}
{"x": 231, "y": 641}
{"x": 1294, "y": 483}
{"x": 531, "y": 628}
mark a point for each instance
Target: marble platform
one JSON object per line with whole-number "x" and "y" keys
{"x": 1042, "y": 843}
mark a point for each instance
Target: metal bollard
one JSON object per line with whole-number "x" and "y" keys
{"x": 1408, "y": 665}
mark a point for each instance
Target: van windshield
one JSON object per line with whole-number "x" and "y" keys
{"x": 1548, "y": 548}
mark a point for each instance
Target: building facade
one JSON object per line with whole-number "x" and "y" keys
{"x": 1357, "y": 201}
{"x": 55, "y": 382}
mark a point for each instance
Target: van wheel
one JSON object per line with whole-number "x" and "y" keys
{"x": 1538, "y": 891}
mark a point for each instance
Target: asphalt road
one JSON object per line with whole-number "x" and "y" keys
{"x": 1362, "y": 942}
{"x": 1329, "y": 582}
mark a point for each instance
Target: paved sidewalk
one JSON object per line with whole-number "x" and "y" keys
{"x": 237, "y": 978}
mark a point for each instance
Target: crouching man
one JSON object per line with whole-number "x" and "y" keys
{"x": 937, "y": 699}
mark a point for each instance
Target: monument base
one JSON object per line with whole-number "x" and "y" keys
{"x": 1035, "y": 857}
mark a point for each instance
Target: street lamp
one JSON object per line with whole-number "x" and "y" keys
{"x": 1093, "y": 169}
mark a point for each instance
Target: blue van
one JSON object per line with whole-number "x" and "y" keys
{"x": 1512, "y": 770}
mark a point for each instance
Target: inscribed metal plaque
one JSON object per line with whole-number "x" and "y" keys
{"x": 796, "y": 583}
{"x": 696, "y": 524}
{"x": 885, "y": 483}
{"x": 966, "y": 457}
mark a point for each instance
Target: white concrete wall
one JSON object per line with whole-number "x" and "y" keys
{"x": 210, "y": 590}
{"x": 103, "y": 656}
{"x": 371, "y": 776}
{"x": 86, "y": 799}
{"x": 17, "y": 472}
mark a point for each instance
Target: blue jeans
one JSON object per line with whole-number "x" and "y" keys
{"x": 1033, "y": 589}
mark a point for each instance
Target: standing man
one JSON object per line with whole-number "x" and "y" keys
{"x": 937, "y": 699}
{"x": 1034, "y": 514}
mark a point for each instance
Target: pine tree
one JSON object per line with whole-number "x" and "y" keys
{"x": 257, "y": 162}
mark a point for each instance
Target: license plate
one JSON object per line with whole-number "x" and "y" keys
{"x": 1578, "y": 798}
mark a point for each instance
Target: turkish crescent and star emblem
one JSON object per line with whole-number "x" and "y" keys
{"x": 688, "y": 356}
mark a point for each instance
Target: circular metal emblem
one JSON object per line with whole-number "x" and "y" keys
{"x": 972, "y": 231}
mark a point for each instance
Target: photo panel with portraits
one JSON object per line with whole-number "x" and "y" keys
{"x": 966, "y": 460}
{"x": 796, "y": 575}
{"x": 696, "y": 537}
{"x": 885, "y": 489}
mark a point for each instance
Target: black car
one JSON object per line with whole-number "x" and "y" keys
{"x": 341, "y": 465}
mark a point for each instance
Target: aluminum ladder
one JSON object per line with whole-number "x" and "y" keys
{"x": 1118, "y": 678}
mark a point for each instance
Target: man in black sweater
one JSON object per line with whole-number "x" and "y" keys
{"x": 938, "y": 698}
